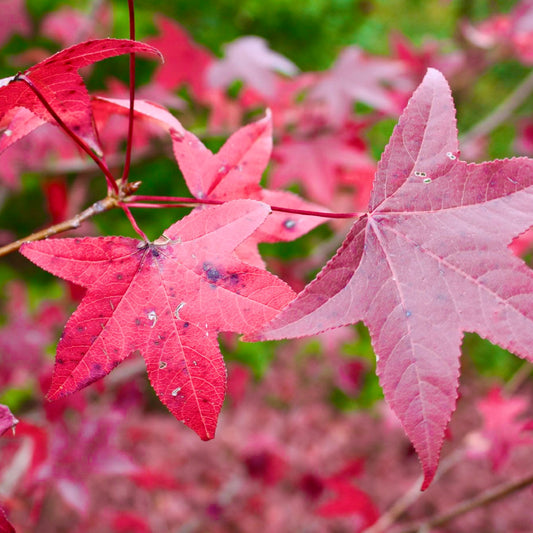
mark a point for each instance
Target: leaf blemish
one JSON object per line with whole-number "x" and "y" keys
{"x": 162, "y": 364}
{"x": 420, "y": 174}
{"x": 175, "y": 391}
{"x": 289, "y": 223}
{"x": 152, "y": 317}
{"x": 451, "y": 156}
{"x": 177, "y": 311}
{"x": 427, "y": 180}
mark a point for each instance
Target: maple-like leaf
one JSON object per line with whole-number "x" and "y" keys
{"x": 235, "y": 172}
{"x": 7, "y": 420}
{"x": 428, "y": 262}
{"x": 58, "y": 81}
{"x": 250, "y": 59}
{"x": 167, "y": 299}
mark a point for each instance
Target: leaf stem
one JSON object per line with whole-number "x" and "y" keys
{"x": 133, "y": 222}
{"x": 98, "y": 207}
{"x": 176, "y": 201}
{"x": 489, "y": 496}
{"x": 129, "y": 142}
{"x": 111, "y": 184}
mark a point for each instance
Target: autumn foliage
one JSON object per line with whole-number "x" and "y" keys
{"x": 375, "y": 270}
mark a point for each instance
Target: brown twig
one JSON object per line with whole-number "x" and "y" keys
{"x": 501, "y": 113}
{"x": 98, "y": 207}
{"x": 497, "y": 493}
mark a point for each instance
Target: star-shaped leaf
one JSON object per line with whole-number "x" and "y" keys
{"x": 167, "y": 299}
{"x": 58, "y": 81}
{"x": 427, "y": 262}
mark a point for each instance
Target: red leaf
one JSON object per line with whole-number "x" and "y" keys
{"x": 349, "y": 500}
{"x": 7, "y": 420}
{"x": 185, "y": 61}
{"x": 429, "y": 261}
{"x": 167, "y": 299}
{"x": 5, "y": 525}
{"x": 58, "y": 80}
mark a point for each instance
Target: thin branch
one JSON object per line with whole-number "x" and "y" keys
{"x": 486, "y": 498}
{"x": 78, "y": 140}
{"x": 388, "y": 518}
{"x": 129, "y": 142}
{"x": 502, "y": 112}
{"x": 72, "y": 223}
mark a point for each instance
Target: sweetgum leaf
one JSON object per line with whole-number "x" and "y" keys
{"x": 428, "y": 262}
{"x": 58, "y": 80}
{"x": 168, "y": 299}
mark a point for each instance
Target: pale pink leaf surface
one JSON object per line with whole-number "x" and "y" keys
{"x": 235, "y": 172}
{"x": 428, "y": 262}
{"x": 7, "y": 420}
{"x": 168, "y": 300}
{"x": 358, "y": 77}
{"x": 58, "y": 80}
{"x": 250, "y": 59}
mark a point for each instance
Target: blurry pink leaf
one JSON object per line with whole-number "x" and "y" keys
{"x": 68, "y": 26}
{"x": 319, "y": 164}
{"x": 349, "y": 500}
{"x": 428, "y": 261}
{"x": 7, "y": 420}
{"x": 357, "y": 77}
{"x": 14, "y": 19}
{"x": 502, "y": 430}
{"x": 185, "y": 61}
{"x": 250, "y": 59}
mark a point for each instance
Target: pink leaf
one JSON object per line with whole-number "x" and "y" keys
{"x": 168, "y": 300}
{"x": 7, "y": 420}
{"x": 429, "y": 261}
{"x": 5, "y": 525}
{"x": 249, "y": 59}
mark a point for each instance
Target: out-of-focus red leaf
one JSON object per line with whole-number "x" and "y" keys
{"x": 7, "y": 420}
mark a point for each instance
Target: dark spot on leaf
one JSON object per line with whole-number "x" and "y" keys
{"x": 59, "y": 360}
{"x": 119, "y": 276}
{"x": 213, "y": 275}
{"x": 155, "y": 252}
{"x": 80, "y": 328}
{"x": 77, "y": 240}
{"x": 96, "y": 368}
{"x": 234, "y": 279}
{"x": 185, "y": 324}
{"x": 138, "y": 322}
